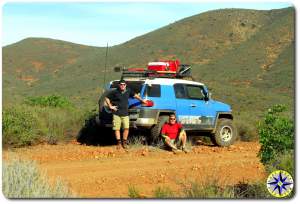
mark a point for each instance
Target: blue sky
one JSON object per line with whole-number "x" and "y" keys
{"x": 99, "y": 23}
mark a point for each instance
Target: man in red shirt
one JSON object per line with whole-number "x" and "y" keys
{"x": 173, "y": 134}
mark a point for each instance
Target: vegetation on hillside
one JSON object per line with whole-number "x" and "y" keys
{"x": 246, "y": 57}
{"x": 49, "y": 101}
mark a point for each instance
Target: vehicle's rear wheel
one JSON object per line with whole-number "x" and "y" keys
{"x": 225, "y": 134}
{"x": 155, "y": 131}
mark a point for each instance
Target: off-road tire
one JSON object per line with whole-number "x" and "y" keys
{"x": 225, "y": 134}
{"x": 156, "y": 129}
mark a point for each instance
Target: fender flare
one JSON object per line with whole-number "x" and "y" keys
{"x": 219, "y": 115}
{"x": 163, "y": 112}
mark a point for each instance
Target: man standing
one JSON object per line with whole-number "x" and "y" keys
{"x": 117, "y": 101}
{"x": 173, "y": 134}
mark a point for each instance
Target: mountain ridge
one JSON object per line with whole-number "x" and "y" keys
{"x": 233, "y": 51}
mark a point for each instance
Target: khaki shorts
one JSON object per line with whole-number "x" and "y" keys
{"x": 175, "y": 142}
{"x": 119, "y": 121}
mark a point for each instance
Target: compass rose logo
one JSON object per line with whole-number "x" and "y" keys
{"x": 280, "y": 183}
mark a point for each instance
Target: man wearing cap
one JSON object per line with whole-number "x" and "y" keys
{"x": 117, "y": 101}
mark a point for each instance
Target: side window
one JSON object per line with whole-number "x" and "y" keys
{"x": 179, "y": 91}
{"x": 195, "y": 92}
{"x": 135, "y": 86}
{"x": 153, "y": 90}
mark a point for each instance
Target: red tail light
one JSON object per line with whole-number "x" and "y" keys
{"x": 148, "y": 103}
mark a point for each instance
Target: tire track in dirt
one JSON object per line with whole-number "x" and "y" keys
{"x": 103, "y": 172}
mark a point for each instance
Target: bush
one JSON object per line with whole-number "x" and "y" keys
{"x": 26, "y": 125}
{"x": 49, "y": 101}
{"x": 276, "y": 134}
{"x": 163, "y": 192}
{"x": 19, "y": 126}
{"x": 283, "y": 162}
{"x": 246, "y": 132}
{"x": 255, "y": 191}
{"x": 133, "y": 192}
{"x": 137, "y": 141}
{"x": 211, "y": 190}
{"x": 21, "y": 179}
{"x": 240, "y": 190}
{"x": 52, "y": 125}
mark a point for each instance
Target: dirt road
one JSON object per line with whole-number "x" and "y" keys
{"x": 103, "y": 172}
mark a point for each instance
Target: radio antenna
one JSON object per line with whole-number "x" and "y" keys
{"x": 104, "y": 77}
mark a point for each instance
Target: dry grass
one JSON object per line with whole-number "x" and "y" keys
{"x": 22, "y": 179}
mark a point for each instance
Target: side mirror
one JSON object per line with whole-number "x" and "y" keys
{"x": 207, "y": 94}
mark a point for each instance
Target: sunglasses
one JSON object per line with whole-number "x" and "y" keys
{"x": 122, "y": 84}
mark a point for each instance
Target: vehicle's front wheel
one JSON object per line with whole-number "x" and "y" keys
{"x": 225, "y": 134}
{"x": 155, "y": 131}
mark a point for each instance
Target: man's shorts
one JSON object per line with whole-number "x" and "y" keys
{"x": 119, "y": 121}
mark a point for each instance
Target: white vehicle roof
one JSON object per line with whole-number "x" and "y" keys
{"x": 167, "y": 81}
{"x": 164, "y": 81}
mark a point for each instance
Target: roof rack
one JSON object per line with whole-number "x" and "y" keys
{"x": 184, "y": 71}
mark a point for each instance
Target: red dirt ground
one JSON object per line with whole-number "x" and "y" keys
{"x": 104, "y": 172}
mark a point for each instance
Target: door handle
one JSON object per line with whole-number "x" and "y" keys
{"x": 193, "y": 105}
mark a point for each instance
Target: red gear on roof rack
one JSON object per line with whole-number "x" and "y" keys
{"x": 164, "y": 66}
{"x": 161, "y": 68}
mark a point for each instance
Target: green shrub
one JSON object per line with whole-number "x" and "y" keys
{"x": 19, "y": 126}
{"x": 25, "y": 125}
{"x": 246, "y": 132}
{"x": 210, "y": 190}
{"x": 53, "y": 125}
{"x": 137, "y": 141}
{"x": 163, "y": 192}
{"x": 284, "y": 162}
{"x": 21, "y": 179}
{"x": 49, "y": 101}
{"x": 276, "y": 134}
{"x": 133, "y": 192}
{"x": 255, "y": 191}
{"x": 59, "y": 124}
{"x": 240, "y": 190}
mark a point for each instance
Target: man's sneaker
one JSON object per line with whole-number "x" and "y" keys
{"x": 176, "y": 151}
{"x": 119, "y": 145}
{"x": 184, "y": 150}
{"x": 124, "y": 144}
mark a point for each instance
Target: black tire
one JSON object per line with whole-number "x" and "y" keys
{"x": 225, "y": 134}
{"x": 155, "y": 130}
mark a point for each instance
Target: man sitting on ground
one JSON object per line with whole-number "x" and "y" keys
{"x": 174, "y": 135}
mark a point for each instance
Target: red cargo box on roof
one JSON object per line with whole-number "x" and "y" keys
{"x": 164, "y": 66}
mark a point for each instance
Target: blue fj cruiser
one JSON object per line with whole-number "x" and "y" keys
{"x": 189, "y": 100}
